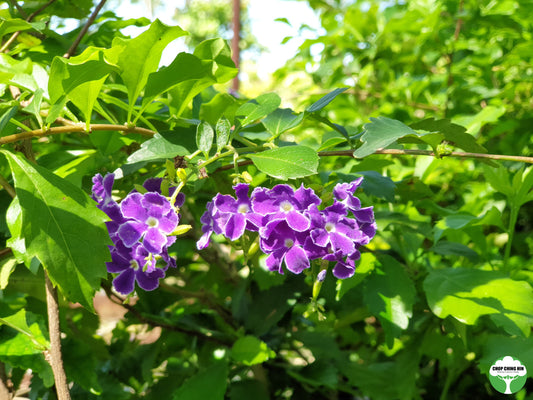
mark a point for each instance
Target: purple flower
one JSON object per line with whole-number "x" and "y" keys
{"x": 139, "y": 229}
{"x": 283, "y": 203}
{"x": 343, "y": 192}
{"x": 284, "y": 244}
{"x": 236, "y": 213}
{"x": 134, "y": 264}
{"x": 150, "y": 218}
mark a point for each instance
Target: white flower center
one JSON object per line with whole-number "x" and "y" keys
{"x": 330, "y": 227}
{"x": 243, "y": 208}
{"x": 152, "y": 222}
{"x": 286, "y": 206}
{"x": 289, "y": 243}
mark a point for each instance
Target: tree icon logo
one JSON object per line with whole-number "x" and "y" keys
{"x": 508, "y": 375}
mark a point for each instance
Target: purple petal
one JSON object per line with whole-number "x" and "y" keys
{"x": 155, "y": 205}
{"x": 204, "y": 240}
{"x": 343, "y": 271}
{"x": 296, "y": 259}
{"x": 125, "y": 282}
{"x": 306, "y": 197}
{"x": 132, "y": 207}
{"x": 154, "y": 240}
{"x": 168, "y": 222}
{"x": 235, "y": 226}
{"x": 297, "y": 221}
{"x": 225, "y": 203}
{"x": 342, "y": 243}
{"x": 130, "y": 232}
{"x": 149, "y": 281}
{"x": 364, "y": 214}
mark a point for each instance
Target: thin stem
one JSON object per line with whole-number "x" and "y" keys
{"x": 8, "y": 188}
{"x": 84, "y": 30}
{"x": 56, "y": 360}
{"x": 74, "y": 128}
{"x": 19, "y": 8}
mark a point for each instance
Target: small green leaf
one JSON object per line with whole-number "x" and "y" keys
{"x": 164, "y": 145}
{"x": 325, "y": 100}
{"x": 32, "y": 330}
{"x": 455, "y": 134}
{"x": 7, "y": 266}
{"x": 34, "y": 107}
{"x": 204, "y": 137}
{"x": 446, "y": 248}
{"x": 249, "y": 350}
{"x": 467, "y": 294}
{"x": 223, "y": 129}
{"x": 287, "y": 162}
{"x": 281, "y": 120}
{"x": 59, "y": 220}
{"x": 257, "y": 108}
{"x": 4, "y": 119}
{"x": 380, "y": 133}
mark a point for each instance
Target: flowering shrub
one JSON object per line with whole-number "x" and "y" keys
{"x": 292, "y": 230}
{"x": 140, "y": 228}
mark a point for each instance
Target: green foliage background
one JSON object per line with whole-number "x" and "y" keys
{"x": 443, "y": 290}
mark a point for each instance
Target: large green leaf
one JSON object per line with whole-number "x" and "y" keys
{"x": 18, "y": 24}
{"x": 467, "y": 294}
{"x": 281, "y": 120}
{"x": 62, "y": 227}
{"x": 389, "y": 294}
{"x": 380, "y": 133}
{"x": 140, "y": 57}
{"x": 208, "y": 384}
{"x": 287, "y": 162}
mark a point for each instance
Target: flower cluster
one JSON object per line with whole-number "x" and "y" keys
{"x": 139, "y": 228}
{"x": 292, "y": 229}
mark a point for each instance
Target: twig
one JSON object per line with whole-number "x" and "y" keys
{"x": 8, "y": 188}
{"x": 19, "y": 8}
{"x": 84, "y": 30}
{"x": 396, "y": 152}
{"x": 14, "y": 36}
{"x": 73, "y": 128}
{"x": 56, "y": 360}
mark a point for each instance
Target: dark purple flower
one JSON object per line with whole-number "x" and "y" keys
{"x": 283, "y": 203}
{"x": 134, "y": 264}
{"x": 344, "y": 266}
{"x": 343, "y": 192}
{"x": 150, "y": 218}
{"x": 154, "y": 185}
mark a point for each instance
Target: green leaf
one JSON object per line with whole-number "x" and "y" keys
{"x": 446, "y": 248}
{"x": 185, "y": 67}
{"x": 204, "y": 137}
{"x": 281, "y": 120}
{"x": 249, "y": 350}
{"x": 362, "y": 271}
{"x": 19, "y": 322}
{"x": 324, "y": 101}
{"x": 17, "y": 24}
{"x": 80, "y": 78}
{"x": 223, "y": 129}
{"x": 34, "y": 107}
{"x": 389, "y": 294}
{"x": 380, "y": 133}
{"x": 4, "y": 120}
{"x": 218, "y": 51}
{"x": 287, "y": 162}
{"x": 7, "y": 266}
{"x": 140, "y": 57}
{"x": 453, "y": 133}
{"x": 467, "y": 294}
{"x": 58, "y": 221}
{"x": 164, "y": 145}
{"x": 257, "y": 108}
{"x": 208, "y": 384}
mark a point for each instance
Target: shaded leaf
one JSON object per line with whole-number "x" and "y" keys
{"x": 281, "y": 120}
{"x": 258, "y": 108}
{"x": 467, "y": 294}
{"x": 208, "y": 384}
{"x": 325, "y": 100}
{"x": 249, "y": 350}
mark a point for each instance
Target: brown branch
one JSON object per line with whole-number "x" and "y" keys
{"x": 56, "y": 360}
{"x": 84, "y": 30}
{"x": 72, "y": 129}
{"x": 19, "y": 8}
